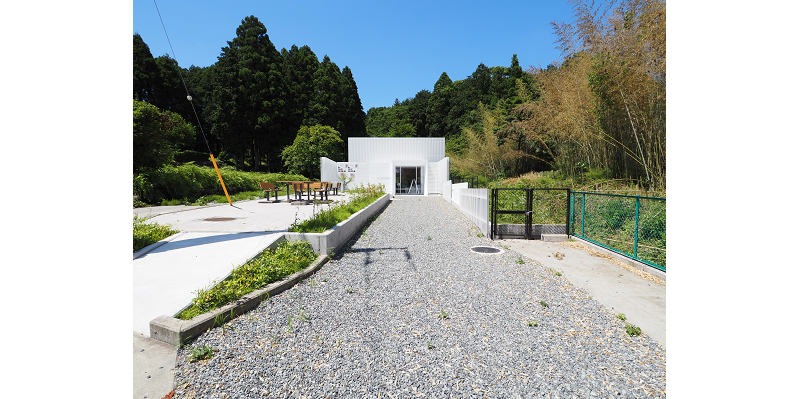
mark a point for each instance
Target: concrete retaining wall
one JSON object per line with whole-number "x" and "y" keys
{"x": 335, "y": 238}
{"x": 177, "y": 332}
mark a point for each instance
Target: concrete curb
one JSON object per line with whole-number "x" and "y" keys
{"x": 335, "y": 238}
{"x": 178, "y": 332}
{"x": 632, "y": 262}
{"x": 155, "y": 245}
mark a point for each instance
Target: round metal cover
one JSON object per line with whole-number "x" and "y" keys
{"x": 486, "y": 250}
{"x": 219, "y": 219}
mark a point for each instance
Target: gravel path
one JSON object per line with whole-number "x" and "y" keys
{"x": 410, "y": 311}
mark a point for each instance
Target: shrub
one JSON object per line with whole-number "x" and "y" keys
{"x": 192, "y": 181}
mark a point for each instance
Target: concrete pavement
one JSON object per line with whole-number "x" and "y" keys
{"x": 642, "y": 301}
{"x": 213, "y": 240}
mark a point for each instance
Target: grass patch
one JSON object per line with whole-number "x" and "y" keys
{"x": 269, "y": 266}
{"x": 327, "y": 218}
{"x": 632, "y": 330}
{"x": 145, "y": 234}
{"x": 201, "y": 353}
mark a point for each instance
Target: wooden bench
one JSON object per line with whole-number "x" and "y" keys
{"x": 319, "y": 187}
{"x": 269, "y": 188}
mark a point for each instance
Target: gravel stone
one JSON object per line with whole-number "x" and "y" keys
{"x": 319, "y": 340}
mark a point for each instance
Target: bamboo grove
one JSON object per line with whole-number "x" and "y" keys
{"x": 604, "y": 106}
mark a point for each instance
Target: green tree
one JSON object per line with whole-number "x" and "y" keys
{"x": 310, "y": 144}
{"x": 157, "y": 134}
{"x": 352, "y": 115}
{"x": 299, "y": 67}
{"x": 145, "y": 72}
{"x": 327, "y": 103}
{"x": 248, "y": 110}
{"x": 438, "y": 106}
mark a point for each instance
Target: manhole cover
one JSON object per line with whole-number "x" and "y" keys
{"x": 219, "y": 219}
{"x": 486, "y": 250}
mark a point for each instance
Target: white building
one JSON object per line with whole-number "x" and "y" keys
{"x": 405, "y": 165}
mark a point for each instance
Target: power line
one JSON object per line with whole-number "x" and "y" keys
{"x": 188, "y": 96}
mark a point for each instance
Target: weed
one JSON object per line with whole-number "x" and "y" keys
{"x": 443, "y": 315}
{"x": 480, "y": 234}
{"x": 544, "y": 304}
{"x": 621, "y": 316}
{"x": 533, "y": 323}
{"x": 267, "y": 267}
{"x": 324, "y": 280}
{"x": 429, "y": 238}
{"x": 202, "y": 353}
{"x": 349, "y": 290}
{"x": 430, "y": 346}
{"x": 632, "y": 330}
{"x": 520, "y": 260}
{"x": 145, "y": 234}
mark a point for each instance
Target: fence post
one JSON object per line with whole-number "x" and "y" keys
{"x": 635, "y": 243}
{"x": 583, "y": 219}
{"x": 568, "y": 212}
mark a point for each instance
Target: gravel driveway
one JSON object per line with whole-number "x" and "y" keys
{"x": 409, "y": 310}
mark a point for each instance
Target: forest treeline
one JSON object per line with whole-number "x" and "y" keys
{"x": 252, "y": 102}
{"x": 602, "y": 107}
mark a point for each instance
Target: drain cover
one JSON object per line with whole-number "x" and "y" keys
{"x": 219, "y": 219}
{"x": 486, "y": 250}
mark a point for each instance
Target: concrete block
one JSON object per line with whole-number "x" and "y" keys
{"x": 554, "y": 237}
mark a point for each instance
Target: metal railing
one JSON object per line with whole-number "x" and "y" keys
{"x": 632, "y": 225}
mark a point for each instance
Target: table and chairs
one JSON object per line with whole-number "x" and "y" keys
{"x": 307, "y": 189}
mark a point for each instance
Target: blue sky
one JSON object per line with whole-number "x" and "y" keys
{"x": 394, "y": 49}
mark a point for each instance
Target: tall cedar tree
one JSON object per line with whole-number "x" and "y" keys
{"x": 144, "y": 69}
{"x": 299, "y": 67}
{"x": 438, "y": 106}
{"x": 353, "y": 119}
{"x": 327, "y": 104}
{"x": 249, "y": 96}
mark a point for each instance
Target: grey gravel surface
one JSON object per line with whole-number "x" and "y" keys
{"x": 410, "y": 311}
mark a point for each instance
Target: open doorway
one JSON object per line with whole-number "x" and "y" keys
{"x": 409, "y": 180}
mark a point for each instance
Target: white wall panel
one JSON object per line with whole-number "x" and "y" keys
{"x": 387, "y": 149}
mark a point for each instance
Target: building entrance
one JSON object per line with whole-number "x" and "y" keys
{"x": 409, "y": 180}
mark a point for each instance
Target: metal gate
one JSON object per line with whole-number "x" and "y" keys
{"x": 535, "y": 208}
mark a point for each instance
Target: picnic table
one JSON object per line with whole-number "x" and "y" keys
{"x": 288, "y": 187}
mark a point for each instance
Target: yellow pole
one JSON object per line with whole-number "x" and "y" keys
{"x": 220, "y": 180}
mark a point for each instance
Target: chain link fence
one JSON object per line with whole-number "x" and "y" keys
{"x": 632, "y": 225}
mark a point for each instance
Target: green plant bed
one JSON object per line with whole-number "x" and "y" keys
{"x": 145, "y": 234}
{"x": 327, "y": 218}
{"x": 267, "y": 267}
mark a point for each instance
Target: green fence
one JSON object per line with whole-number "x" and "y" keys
{"x": 632, "y": 225}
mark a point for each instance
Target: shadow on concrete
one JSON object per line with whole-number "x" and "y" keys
{"x": 192, "y": 242}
